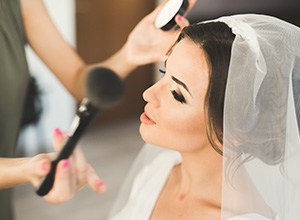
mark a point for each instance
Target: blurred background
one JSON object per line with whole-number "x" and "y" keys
{"x": 98, "y": 28}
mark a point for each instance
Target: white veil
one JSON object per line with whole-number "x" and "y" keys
{"x": 261, "y": 172}
{"x": 261, "y": 146}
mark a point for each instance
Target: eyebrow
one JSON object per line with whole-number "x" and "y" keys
{"x": 181, "y": 83}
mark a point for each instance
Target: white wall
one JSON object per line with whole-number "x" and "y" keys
{"x": 58, "y": 105}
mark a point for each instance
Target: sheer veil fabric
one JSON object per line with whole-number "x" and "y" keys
{"x": 261, "y": 161}
{"x": 261, "y": 146}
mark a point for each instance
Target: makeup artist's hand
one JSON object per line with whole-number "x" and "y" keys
{"x": 148, "y": 44}
{"x": 71, "y": 174}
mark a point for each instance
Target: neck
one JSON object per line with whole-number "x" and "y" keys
{"x": 199, "y": 174}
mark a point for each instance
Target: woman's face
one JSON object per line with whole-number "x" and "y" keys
{"x": 174, "y": 113}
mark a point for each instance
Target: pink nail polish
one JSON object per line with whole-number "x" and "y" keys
{"x": 57, "y": 132}
{"x": 101, "y": 185}
{"x": 66, "y": 164}
{"x": 179, "y": 17}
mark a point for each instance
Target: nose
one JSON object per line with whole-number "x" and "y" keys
{"x": 150, "y": 95}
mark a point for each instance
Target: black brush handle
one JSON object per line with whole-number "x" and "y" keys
{"x": 47, "y": 183}
{"x": 68, "y": 148}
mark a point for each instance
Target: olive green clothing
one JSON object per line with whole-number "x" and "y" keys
{"x": 14, "y": 76}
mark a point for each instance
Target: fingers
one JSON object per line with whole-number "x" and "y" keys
{"x": 59, "y": 138}
{"x": 44, "y": 167}
{"x": 80, "y": 166}
{"x": 79, "y": 159}
{"x": 191, "y": 4}
{"x": 71, "y": 174}
{"x": 83, "y": 171}
{"x": 94, "y": 181}
{"x": 38, "y": 167}
{"x": 159, "y": 7}
{"x": 66, "y": 182}
{"x": 181, "y": 21}
{"x": 64, "y": 186}
{"x": 86, "y": 172}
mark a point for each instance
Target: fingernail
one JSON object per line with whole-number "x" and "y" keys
{"x": 101, "y": 185}
{"x": 57, "y": 132}
{"x": 179, "y": 17}
{"x": 66, "y": 164}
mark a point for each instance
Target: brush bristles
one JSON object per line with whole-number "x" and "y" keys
{"x": 104, "y": 87}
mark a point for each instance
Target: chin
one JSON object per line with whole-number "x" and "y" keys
{"x": 144, "y": 135}
{"x": 156, "y": 138}
{"x": 148, "y": 136}
{"x": 142, "y": 132}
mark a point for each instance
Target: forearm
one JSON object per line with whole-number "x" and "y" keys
{"x": 12, "y": 172}
{"x": 59, "y": 56}
{"x": 145, "y": 44}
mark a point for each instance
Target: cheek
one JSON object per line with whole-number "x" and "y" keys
{"x": 184, "y": 122}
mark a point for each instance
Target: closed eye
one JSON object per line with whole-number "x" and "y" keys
{"x": 162, "y": 71}
{"x": 178, "y": 96}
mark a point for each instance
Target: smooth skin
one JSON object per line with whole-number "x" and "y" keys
{"x": 145, "y": 44}
{"x": 177, "y": 121}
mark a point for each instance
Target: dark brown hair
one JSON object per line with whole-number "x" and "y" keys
{"x": 216, "y": 39}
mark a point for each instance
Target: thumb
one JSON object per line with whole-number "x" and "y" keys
{"x": 38, "y": 167}
{"x": 44, "y": 167}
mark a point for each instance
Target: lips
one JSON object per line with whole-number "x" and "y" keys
{"x": 145, "y": 119}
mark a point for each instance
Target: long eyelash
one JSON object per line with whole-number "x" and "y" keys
{"x": 162, "y": 71}
{"x": 179, "y": 97}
